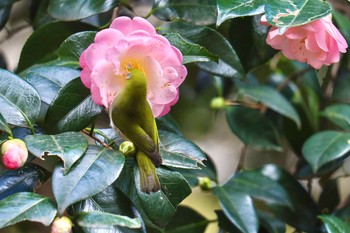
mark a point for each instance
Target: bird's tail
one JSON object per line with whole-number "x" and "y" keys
{"x": 149, "y": 180}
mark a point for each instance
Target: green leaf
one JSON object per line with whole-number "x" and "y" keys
{"x": 44, "y": 41}
{"x": 330, "y": 196}
{"x": 26, "y": 179}
{"x": 187, "y": 220}
{"x": 26, "y": 206}
{"x": 339, "y": 114}
{"x": 19, "y": 101}
{"x": 4, "y": 15}
{"x": 334, "y": 224}
{"x": 271, "y": 223}
{"x": 228, "y": 64}
{"x": 325, "y": 147}
{"x": 286, "y": 14}
{"x": 239, "y": 208}
{"x": 303, "y": 214}
{"x": 110, "y": 200}
{"x": 200, "y": 12}
{"x": 49, "y": 79}
{"x": 73, "y": 46}
{"x": 161, "y": 206}
{"x": 96, "y": 219}
{"x": 272, "y": 99}
{"x": 4, "y": 126}
{"x": 253, "y": 128}
{"x": 260, "y": 187}
{"x": 69, "y": 146}
{"x": 72, "y": 109}
{"x": 90, "y": 175}
{"x": 179, "y": 152}
{"x": 157, "y": 208}
{"x": 78, "y": 9}
{"x": 225, "y": 223}
{"x": 191, "y": 52}
{"x": 228, "y": 9}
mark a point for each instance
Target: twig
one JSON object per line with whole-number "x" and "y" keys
{"x": 96, "y": 139}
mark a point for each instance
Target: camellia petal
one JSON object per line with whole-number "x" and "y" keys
{"x": 317, "y": 43}
{"x": 133, "y": 43}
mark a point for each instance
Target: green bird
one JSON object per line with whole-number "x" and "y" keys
{"x": 132, "y": 118}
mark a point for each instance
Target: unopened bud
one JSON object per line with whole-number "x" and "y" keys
{"x": 127, "y": 148}
{"x": 14, "y": 154}
{"x": 205, "y": 183}
{"x": 61, "y": 225}
{"x": 217, "y": 103}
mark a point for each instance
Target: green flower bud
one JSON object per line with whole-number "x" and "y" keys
{"x": 61, "y": 225}
{"x": 205, "y": 183}
{"x": 127, "y": 148}
{"x": 217, "y": 103}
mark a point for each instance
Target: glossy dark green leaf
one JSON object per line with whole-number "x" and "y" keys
{"x": 69, "y": 146}
{"x": 228, "y": 9}
{"x": 72, "y": 109}
{"x": 225, "y": 223}
{"x": 49, "y": 79}
{"x": 73, "y": 46}
{"x": 286, "y": 14}
{"x": 325, "y": 147}
{"x": 26, "y": 179}
{"x": 179, "y": 152}
{"x": 44, "y": 41}
{"x": 187, "y": 220}
{"x": 157, "y": 208}
{"x": 253, "y": 128}
{"x": 330, "y": 196}
{"x": 4, "y": 15}
{"x": 303, "y": 214}
{"x": 270, "y": 223}
{"x": 26, "y": 206}
{"x": 95, "y": 171}
{"x": 228, "y": 64}
{"x": 339, "y": 114}
{"x": 78, "y": 9}
{"x": 239, "y": 208}
{"x": 110, "y": 200}
{"x": 4, "y": 126}
{"x": 200, "y": 12}
{"x": 248, "y": 38}
{"x": 191, "y": 52}
{"x": 95, "y": 219}
{"x": 260, "y": 187}
{"x": 334, "y": 224}
{"x": 272, "y": 99}
{"x": 192, "y": 175}
{"x": 161, "y": 206}
{"x": 19, "y": 101}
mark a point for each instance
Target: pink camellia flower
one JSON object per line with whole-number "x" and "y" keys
{"x": 14, "y": 154}
{"x": 317, "y": 43}
{"x": 133, "y": 43}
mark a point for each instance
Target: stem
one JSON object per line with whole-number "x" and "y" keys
{"x": 88, "y": 133}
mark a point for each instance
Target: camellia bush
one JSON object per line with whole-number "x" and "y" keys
{"x": 89, "y": 132}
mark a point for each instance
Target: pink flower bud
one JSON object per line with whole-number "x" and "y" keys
{"x": 317, "y": 43}
{"x": 133, "y": 43}
{"x": 61, "y": 225}
{"x": 14, "y": 153}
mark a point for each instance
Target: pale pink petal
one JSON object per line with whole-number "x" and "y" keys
{"x": 127, "y": 25}
{"x": 311, "y": 43}
{"x": 161, "y": 90}
{"x": 133, "y": 42}
{"x": 317, "y": 43}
